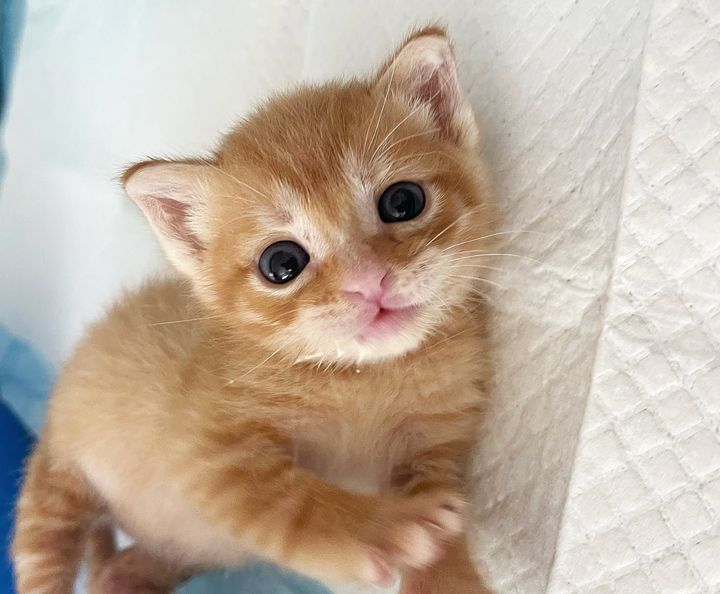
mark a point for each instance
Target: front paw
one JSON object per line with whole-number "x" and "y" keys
{"x": 411, "y": 532}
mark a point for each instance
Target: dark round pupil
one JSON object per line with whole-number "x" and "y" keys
{"x": 284, "y": 265}
{"x": 402, "y": 202}
{"x": 283, "y": 261}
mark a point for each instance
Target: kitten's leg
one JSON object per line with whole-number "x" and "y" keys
{"x": 254, "y": 490}
{"x": 129, "y": 571}
{"x": 440, "y": 469}
{"x": 54, "y": 513}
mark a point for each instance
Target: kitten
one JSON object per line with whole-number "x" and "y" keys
{"x": 309, "y": 392}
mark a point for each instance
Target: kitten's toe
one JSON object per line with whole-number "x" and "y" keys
{"x": 378, "y": 570}
{"x": 415, "y": 530}
{"x": 444, "y": 510}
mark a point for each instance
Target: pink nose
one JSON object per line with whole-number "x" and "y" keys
{"x": 368, "y": 283}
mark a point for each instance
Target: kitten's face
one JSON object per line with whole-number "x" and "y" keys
{"x": 340, "y": 223}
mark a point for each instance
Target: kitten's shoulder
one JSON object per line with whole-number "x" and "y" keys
{"x": 159, "y": 320}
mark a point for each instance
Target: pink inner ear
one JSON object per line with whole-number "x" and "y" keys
{"x": 172, "y": 218}
{"x": 438, "y": 88}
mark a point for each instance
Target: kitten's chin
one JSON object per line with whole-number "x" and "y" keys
{"x": 380, "y": 343}
{"x": 387, "y": 334}
{"x": 373, "y": 351}
{"x": 377, "y": 335}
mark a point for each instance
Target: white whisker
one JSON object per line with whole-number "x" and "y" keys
{"x": 481, "y": 254}
{"x": 478, "y": 278}
{"x": 242, "y": 183}
{"x": 258, "y": 366}
{"x": 382, "y": 109}
{"x": 493, "y": 268}
{"x": 412, "y": 112}
{"x": 404, "y": 139}
{"x": 512, "y": 232}
{"x": 455, "y": 222}
{"x": 183, "y": 321}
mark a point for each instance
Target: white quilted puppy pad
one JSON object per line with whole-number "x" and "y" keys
{"x": 643, "y": 513}
{"x": 555, "y": 86}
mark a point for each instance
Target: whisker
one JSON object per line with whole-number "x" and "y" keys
{"x": 448, "y": 338}
{"x": 512, "y": 232}
{"x": 494, "y": 268}
{"x": 481, "y": 254}
{"x": 258, "y": 366}
{"x": 455, "y": 222}
{"x": 412, "y": 112}
{"x": 236, "y": 219}
{"x": 479, "y": 278}
{"x": 444, "y": 303}
{"x": 183, "y": 321}
{"x": 406, "y": 138}
{"x": 242, "y": 183}
{"x": 382, "y": 109}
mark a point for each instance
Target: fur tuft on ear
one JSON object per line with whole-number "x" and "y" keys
{"x": 172, "y": 196}
{"x": 424, "y": 71}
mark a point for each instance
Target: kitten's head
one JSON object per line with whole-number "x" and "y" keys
{"x": 340, "y": 221}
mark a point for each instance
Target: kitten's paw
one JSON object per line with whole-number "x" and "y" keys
{"x": 411, "y": 532}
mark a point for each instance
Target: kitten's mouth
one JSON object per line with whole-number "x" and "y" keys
{"x": 387, "y": 321}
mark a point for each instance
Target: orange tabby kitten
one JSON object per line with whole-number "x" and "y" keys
{"x": 309, "y": 392}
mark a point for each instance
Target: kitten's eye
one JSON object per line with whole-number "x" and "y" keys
{"x": 282, "y": 261}
{"x": 401, "y": 202}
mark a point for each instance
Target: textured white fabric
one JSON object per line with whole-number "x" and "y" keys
{"x": 643, "y": 513}
{"x": 633, "y": 380}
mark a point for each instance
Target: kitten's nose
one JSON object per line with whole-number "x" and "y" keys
{"x": 367, "y": 284}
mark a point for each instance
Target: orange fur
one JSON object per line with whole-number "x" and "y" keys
{"x": 221, "y": 416}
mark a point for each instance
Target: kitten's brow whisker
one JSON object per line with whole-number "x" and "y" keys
{"x": 384, "y": 140}
{"x": 420, "y": 105}
{"x": 406, "y": 138}
{"x": 242, "y": 183}
{"x": 236, "y": 219}
{"x": 367, "y": 130}
{"x": 443, "y": 154}
{"x": 415, "y": 156}
{"x": 382, "y": 109}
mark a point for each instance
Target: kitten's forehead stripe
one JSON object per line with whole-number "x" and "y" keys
{"x": 360, "y": 191}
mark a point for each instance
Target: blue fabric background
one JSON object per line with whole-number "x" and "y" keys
{"x": 15, "y": 440}
{"x": 11, "y": 16}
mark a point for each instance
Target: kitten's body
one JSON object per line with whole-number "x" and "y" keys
{"x": 324, "y": 423}
{"x": 351, "y": 426}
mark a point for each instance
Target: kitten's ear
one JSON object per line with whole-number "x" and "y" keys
{"x": 424, "y": 70}
{"x": 173, "y": 197}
